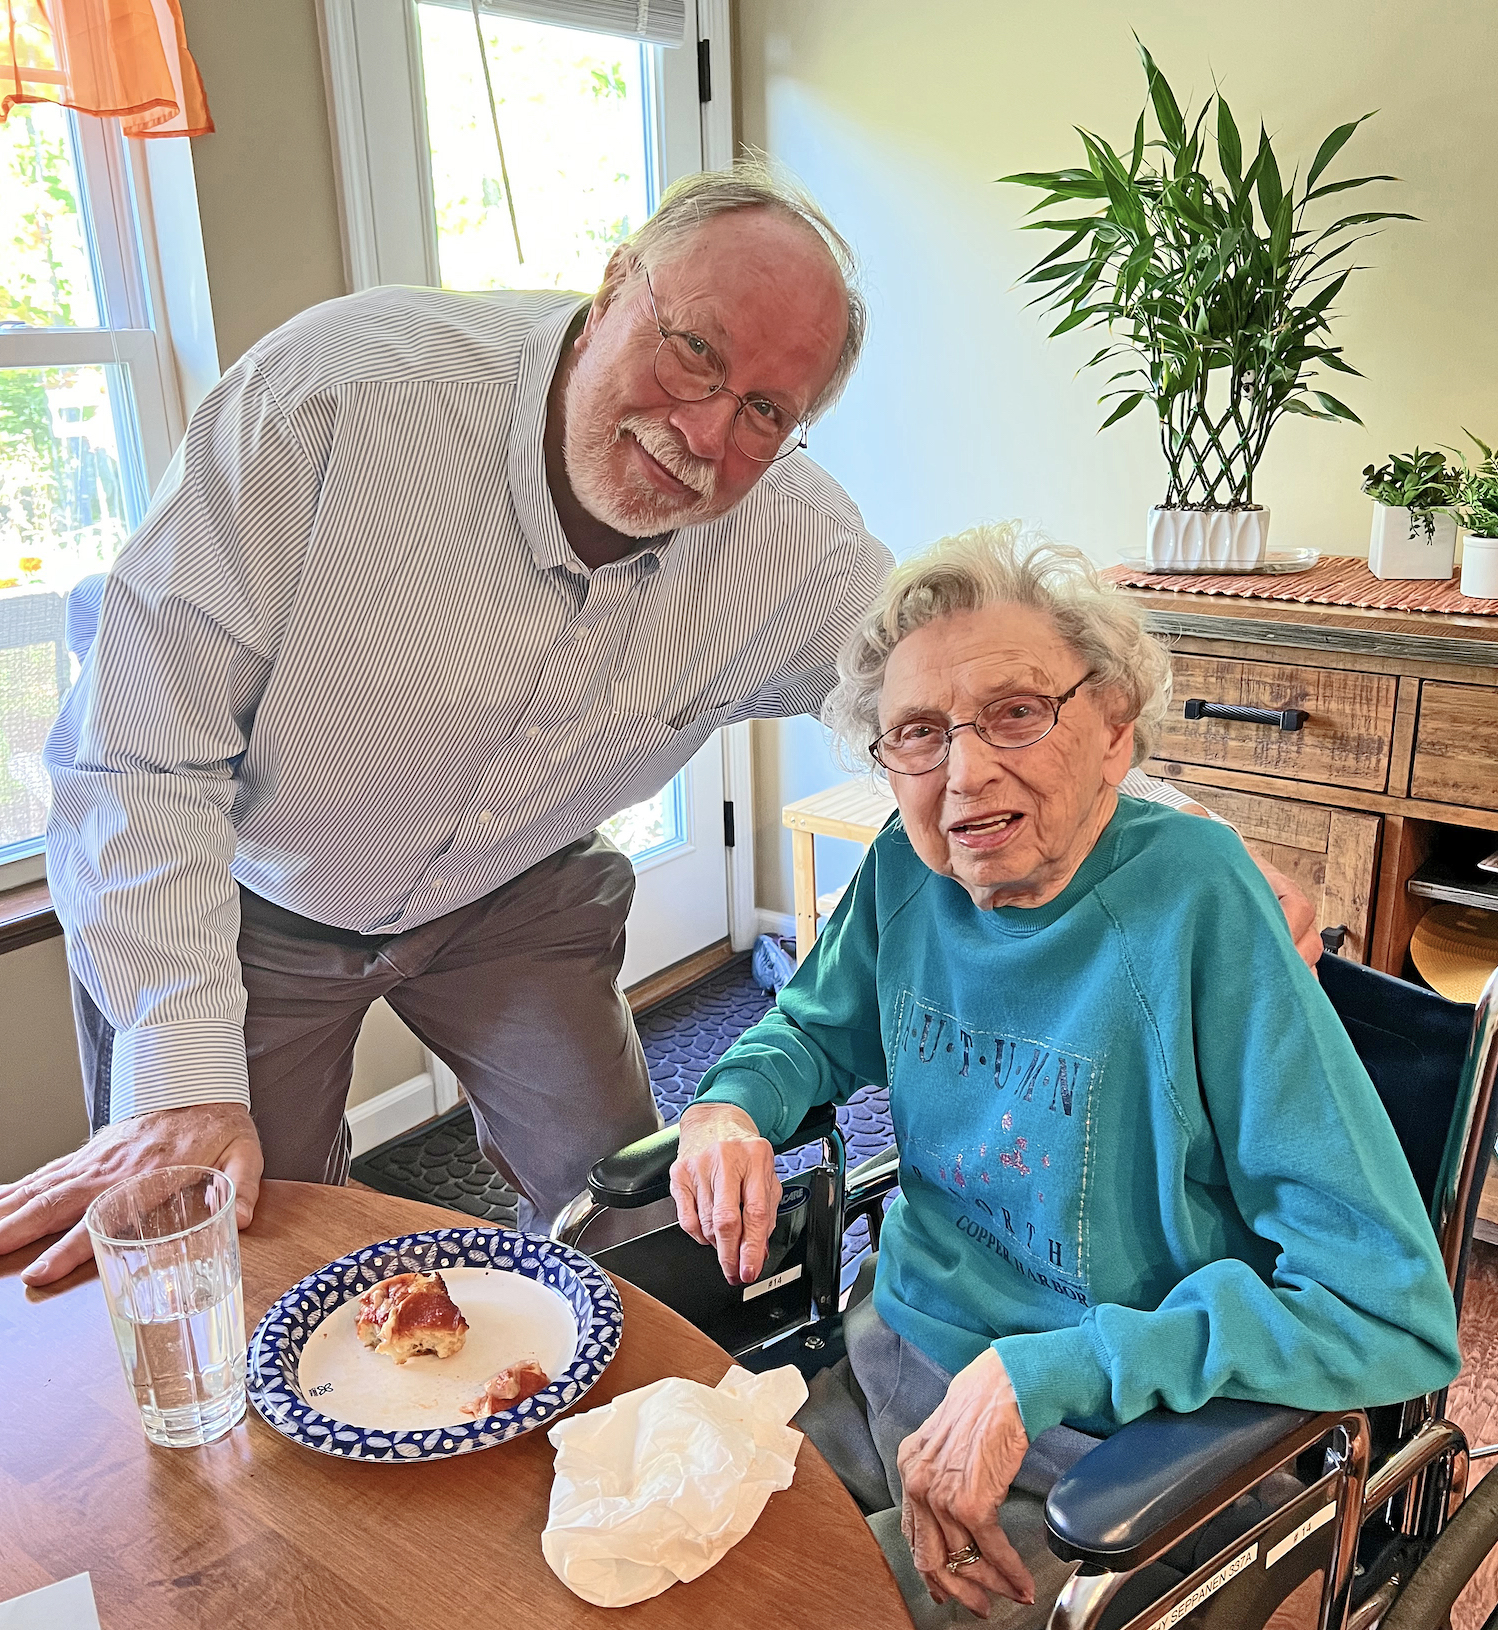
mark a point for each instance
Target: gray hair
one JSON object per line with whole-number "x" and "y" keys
{"x": 991, "y": 566}
{"x": 751, "y": 184}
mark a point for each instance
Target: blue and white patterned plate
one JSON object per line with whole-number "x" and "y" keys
{"x": 275, "y": 1351}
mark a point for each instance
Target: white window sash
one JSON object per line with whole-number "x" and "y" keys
{"x": 657, "y": 22}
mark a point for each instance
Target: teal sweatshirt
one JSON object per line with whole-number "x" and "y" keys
{"x": 1138, "y": 1154}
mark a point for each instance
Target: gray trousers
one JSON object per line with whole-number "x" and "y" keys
{"x": 862, "y": 1408}
{"x": 518, "y": 993}
{"x": 859, "y": 1412}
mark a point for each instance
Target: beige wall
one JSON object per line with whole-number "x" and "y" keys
{"x": 899, "y": 118}
{"x": 41, "y": 1089}
{"x": 266, "y": 191}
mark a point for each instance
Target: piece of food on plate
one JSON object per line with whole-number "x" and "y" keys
{"x": 411, "y": 1313}
{"x": 505, "y": 1390}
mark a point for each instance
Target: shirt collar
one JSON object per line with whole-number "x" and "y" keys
{"x": 527, "y": 458}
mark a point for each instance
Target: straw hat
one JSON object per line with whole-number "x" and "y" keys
{"x": 1456, "y": 949}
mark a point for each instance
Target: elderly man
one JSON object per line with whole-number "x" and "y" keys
{"x": 444, "y": 582}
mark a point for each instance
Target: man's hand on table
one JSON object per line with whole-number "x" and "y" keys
{"x": 955, "y": 1471}
{"x": 725, "y": 1188}
{"x": 1299, "y": 913}
{"x": 55, "y": 1196}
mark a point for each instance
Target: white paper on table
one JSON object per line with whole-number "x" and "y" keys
{"x": 661, "y": 1483}
{"x": 67, "y": 1605}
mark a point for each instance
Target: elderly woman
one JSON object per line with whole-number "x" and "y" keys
{"x": 1140, "y": 1163}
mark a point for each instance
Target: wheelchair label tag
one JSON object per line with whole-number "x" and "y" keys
{"x": 774, "y": 1282}
{"x": 1208, "y": 1587}
{"x": 1296, "y": 1535}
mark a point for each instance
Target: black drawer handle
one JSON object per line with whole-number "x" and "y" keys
{"x": 1286, "y": 718}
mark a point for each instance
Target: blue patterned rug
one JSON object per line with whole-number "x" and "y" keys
{"x": 441, "y": 1163}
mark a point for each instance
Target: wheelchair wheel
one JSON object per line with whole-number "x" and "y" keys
{"x": 1463, "y": 1545}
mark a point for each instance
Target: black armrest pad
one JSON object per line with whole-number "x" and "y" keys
{"x": 641, "y": 1174}
{"x": 1111, "y": 1507}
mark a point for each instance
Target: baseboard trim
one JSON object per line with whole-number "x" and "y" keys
{"x": 669, "y": 982}
{"x": 782, "y": 923}
{"x": 390, "y": 1113}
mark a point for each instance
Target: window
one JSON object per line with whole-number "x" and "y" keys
{"x": 574, "y": 116}
{"x": 85, "y": 424}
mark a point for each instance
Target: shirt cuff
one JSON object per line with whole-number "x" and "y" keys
{"x": 1057, "y": 1375}
{"x": 173, "y": 1066}
{"x": 755, "y": 1096}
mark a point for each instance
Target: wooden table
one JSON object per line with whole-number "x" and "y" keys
{"x": 254, "y": 1529}
{"x": 854, "y": 810}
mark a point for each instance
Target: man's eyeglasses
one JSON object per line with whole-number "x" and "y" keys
{"x": 688, "y": 368}
{"x": 920, "y": 745}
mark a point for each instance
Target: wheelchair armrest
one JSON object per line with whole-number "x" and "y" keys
{"x": 641, "y": 1174}
{"x": 1148, "y": 1486}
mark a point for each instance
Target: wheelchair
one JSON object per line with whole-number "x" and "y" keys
{"x": 1212, "y": 1519}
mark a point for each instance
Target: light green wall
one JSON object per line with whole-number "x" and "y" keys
{"x": 899, "y": 118}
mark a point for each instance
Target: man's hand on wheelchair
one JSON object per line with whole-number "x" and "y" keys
{"x": 1300, "y": 914}
{"x": 955, "y": 1472}
{"x": 725, "y": 1188}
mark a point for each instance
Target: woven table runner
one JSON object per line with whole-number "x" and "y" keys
{"x": 1335, "y": 580}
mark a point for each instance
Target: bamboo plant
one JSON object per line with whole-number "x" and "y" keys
{"x": 1216, "y": 290}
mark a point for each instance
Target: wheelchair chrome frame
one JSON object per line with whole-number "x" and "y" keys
{"x": 1085, "y": 1596}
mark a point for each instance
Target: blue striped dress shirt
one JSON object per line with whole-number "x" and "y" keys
{"x": 351, "y": 662}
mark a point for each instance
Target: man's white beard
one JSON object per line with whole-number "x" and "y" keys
{"x": 633, "y": 506}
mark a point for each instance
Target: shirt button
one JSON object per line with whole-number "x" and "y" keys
{"x": 534, "y": 732}
{"x": 485, "y": 817}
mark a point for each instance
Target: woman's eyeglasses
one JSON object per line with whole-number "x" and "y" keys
{"x": 920, "y": 745}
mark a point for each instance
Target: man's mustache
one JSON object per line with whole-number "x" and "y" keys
{"x": 696, "y": 473}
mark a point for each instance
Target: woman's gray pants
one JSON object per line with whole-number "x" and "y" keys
{"x": 859, "y": 1412}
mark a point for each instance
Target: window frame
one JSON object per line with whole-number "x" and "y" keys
{"x": 115, "y": 175}
{"x": 376, "y": 111}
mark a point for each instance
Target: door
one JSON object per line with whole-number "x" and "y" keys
{"x": 529, "y": 187}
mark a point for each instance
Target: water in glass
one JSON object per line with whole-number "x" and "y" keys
{"x": 168, "y": 1254}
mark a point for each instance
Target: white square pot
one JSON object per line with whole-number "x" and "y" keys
{"x": 1231, "y": 540}
{"x": 1394, "y": 555}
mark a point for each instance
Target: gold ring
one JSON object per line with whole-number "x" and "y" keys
{"x": 965, "y": 1558}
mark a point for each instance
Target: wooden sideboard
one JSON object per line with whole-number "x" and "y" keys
{"x": 1395, "y": 763}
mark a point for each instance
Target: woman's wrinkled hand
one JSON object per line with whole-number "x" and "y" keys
{"x": 956, "y": 1470}
{"x": 725, "y": 1188}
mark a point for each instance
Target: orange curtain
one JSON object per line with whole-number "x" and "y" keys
{"x": 124, "y": 59}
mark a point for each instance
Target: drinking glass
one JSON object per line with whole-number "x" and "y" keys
{"x": 168, "y": 1253}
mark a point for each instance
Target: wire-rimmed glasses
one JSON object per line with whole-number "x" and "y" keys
{"x": 921, "y": 745}
{"x": 687, "y": 368}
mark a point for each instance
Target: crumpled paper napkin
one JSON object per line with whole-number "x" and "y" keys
{"x": 659, "y": 1484}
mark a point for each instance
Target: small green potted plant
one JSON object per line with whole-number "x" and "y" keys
{"x": 1216, "y": 284}
{"x": 1415, "y": 497}
{"x": 1479, "y": 514}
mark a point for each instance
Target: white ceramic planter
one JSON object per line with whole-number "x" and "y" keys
{"x": 1394, "y": 554}
{"x": 1231, "y": 540}
{"x": 1480, "y": 568}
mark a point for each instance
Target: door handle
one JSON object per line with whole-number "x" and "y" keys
{"x": 1286, "y": 718}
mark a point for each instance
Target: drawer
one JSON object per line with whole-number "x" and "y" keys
{"x": 1343, "y": 743}
{"x": 1331, "y": 853}
{"x": 1456, "y": 745}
